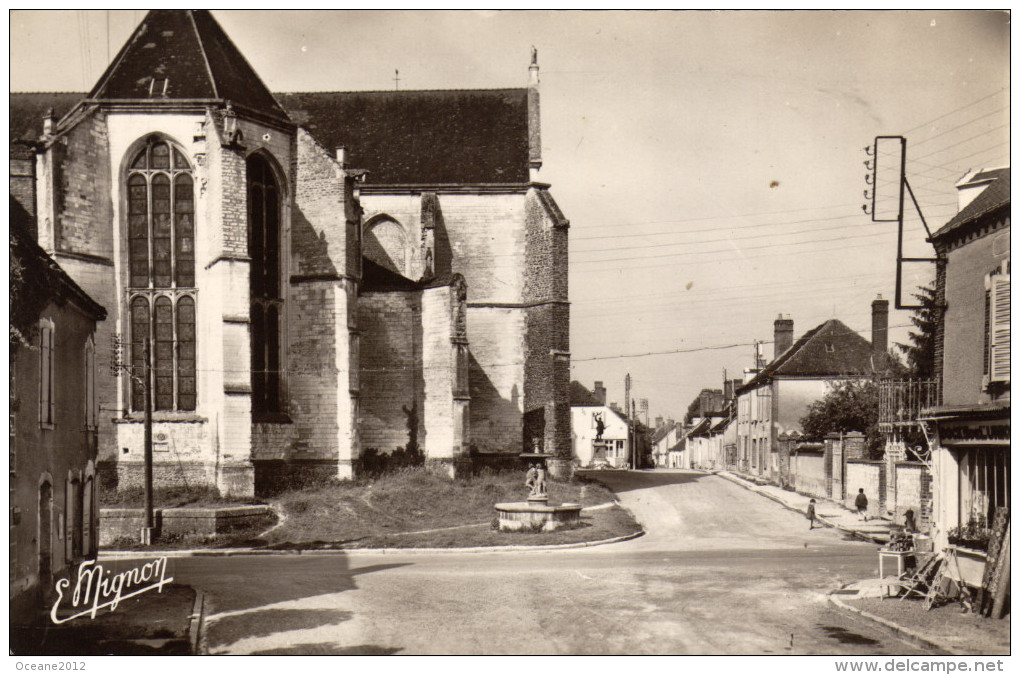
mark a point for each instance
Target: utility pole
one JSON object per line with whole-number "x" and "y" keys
{"x": 150, "y": 521}
{"x": 627, "y": 414}
{"x": 118, "y": 366}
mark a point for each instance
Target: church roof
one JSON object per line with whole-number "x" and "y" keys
{"x": 830, "y": 349}
{"x": 27, "y": 110}
{"x": 184, "y": 54}
{"x": 422, "y": 137}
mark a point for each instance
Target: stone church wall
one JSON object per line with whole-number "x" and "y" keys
{"x": 82, "y": 198}
{"x": 391, "y": 370}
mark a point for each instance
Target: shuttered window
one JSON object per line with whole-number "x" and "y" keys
{"x": 998, "y": 339}
{"x": 47, "y": 406}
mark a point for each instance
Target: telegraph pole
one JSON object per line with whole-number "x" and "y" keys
{"x": 118, "y": 366}
{"x": 150, "y": 521}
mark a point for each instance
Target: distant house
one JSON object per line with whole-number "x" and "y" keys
{"x": 54, "y": 418}
{"x": 971, "y": 448}
{"x": 774, "y": 399}
{"x": 587, "y": 408}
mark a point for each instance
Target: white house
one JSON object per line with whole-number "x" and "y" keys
{"x": 584, "y": 426}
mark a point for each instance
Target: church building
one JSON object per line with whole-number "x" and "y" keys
{"x": 297, "y": 282}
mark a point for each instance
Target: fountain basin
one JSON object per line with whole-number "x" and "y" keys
{"x": 537, "y": 516}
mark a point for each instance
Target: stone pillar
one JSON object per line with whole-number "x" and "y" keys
{"x": 444, "y": 364}
{"x": 835, "y": 466}
{"x": 229, "y": 272}
{"x": 855, "y": 445}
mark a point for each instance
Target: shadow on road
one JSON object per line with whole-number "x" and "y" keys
{"x": 624, "y": 481}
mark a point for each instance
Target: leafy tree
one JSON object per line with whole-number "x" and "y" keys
{"x": 850, "y": 405}
{"x": 920, "y": 352}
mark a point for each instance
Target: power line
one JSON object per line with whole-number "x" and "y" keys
{"x": 725, "y": 217}
{"x": 951, "y": 112}
{"x": 731, "y": 250}
{"x": 726, "y": 239}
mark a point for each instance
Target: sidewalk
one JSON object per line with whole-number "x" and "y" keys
{"x": 829, "y": 513}
{"x": 943, "y": 629}
{"x": 155, "y": 623}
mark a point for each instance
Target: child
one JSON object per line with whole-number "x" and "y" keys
{"x": 811, "y": 514}
{"x": 861, "y": 502}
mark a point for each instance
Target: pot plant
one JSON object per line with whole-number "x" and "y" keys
{"x": 974, "y": 535}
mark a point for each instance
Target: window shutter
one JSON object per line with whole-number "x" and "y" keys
{"x": 51, "y": 392}
{"x": 999, "y": 339}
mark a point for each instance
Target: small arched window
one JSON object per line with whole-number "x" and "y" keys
{"x": 161, "y": 275}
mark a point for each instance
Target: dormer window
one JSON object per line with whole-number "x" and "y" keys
{"x": 158, "y": 85}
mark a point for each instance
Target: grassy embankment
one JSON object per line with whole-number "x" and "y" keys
{"x": 413, "y": 508}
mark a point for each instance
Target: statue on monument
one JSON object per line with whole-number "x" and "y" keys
{"x": 600, "y": 426}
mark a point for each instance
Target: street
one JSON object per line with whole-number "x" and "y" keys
{"x": 721, "y": 570}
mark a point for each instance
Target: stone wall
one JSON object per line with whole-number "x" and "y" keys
{"x": 869, "y": 475}
{"x": 391, "y": 392}
{"x": 808, "y": 473}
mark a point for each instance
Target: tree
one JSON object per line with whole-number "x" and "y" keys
{"x": 850, "y": 405}
{"x": 920, "y": 353}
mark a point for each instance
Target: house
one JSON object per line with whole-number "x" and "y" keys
{"x": 53, "y": 413}
{"x": 774, "y": 399}
{"x": 589, "y": 412}
{"x": 662, "y": 439}
{"x": 971, "y": 428}
{"x": 323, "y": 279}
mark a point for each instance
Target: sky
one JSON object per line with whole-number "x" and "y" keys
{"x": 711, "y": 163}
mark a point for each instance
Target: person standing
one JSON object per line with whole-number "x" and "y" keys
{"x": 810, "y": 513}
{"x": 862, "y": 504}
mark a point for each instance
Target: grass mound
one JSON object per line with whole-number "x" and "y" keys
{"x": 413, "y": 507}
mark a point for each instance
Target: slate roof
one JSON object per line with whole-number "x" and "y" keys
{"x": 994, "y": 197}
{"x": 41, "y": 278}
{"x": 193, "y": 54}
{"x": 830, "y": 349}
{"x": 27, "y": 110}
{"x": 580, "y": 395}
{"x": 422, "y": 137}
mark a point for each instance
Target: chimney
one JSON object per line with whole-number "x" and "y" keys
{"x": 48, "y": 122}
{"x": 534, "y": 119}
{"x": 600, "y": 393}
{"x": 783, "y": 335}
{"x": 658, "y": 422}
{"x": 879, "y": 329}
{"x": 341, "y": 156}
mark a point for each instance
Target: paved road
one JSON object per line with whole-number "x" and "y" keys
{"x": 721, "y": 571}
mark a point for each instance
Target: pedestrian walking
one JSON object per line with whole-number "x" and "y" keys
{"x": 810, "y": 513}
{"x": 862, "y": 504}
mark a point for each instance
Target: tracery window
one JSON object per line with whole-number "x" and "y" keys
{"x": 161, "y": 275}
{"x": 264, "y": 206}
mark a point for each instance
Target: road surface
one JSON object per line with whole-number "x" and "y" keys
{"x": 721, "y": 570}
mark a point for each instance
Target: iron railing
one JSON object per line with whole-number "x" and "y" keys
{"x": 901, "y": 401}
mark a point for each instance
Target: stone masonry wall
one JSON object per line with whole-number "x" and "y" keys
{"x": 83, "y": 209}
{"x": 391, "y": 370}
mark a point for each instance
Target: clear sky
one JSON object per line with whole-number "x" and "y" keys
{"x": 710, "y": 163}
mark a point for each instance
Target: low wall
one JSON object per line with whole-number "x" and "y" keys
{"x": 115, "y": 524}
{"x": 868, "y": 475}
{"x": 807, "y": 471}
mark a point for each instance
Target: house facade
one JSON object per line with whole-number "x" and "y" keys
{"x": 53, "y": 419}
{"x": 773, "y": 400}
{"x": 614, "y": 448}
{"x": 971, "y": 428}
{"x": 312, "y": 279}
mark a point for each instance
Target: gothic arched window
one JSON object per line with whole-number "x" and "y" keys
{"x": 264, "y": 206}
{"x": 161, "y": 275}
